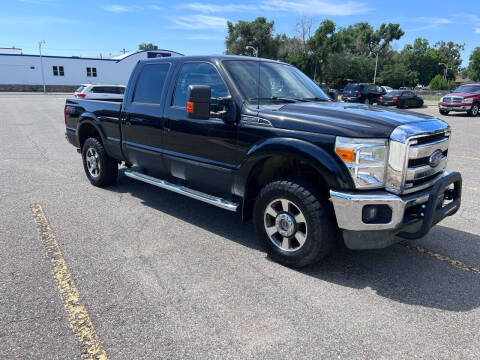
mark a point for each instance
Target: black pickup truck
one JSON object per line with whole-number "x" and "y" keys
{"x": 259, "y": 137}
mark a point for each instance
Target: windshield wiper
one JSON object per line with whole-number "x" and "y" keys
{"x": 312, "y": 99}
{"x": 274, "y": 98}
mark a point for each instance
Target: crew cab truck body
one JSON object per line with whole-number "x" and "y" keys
{"x": 466, "y": 98}
{"x": 259, "y": 137}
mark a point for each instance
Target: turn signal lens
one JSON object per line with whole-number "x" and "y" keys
{"x": 347, "y": 155}
{"x": 190, "y": 107}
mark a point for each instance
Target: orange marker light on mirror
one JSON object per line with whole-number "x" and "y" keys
{"x": 190, "y": 107}
{"x": 347, "y": 155}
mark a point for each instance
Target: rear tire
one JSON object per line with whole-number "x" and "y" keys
{"x": 100, "y": 168}
{"x": 294, "y": 224}
{"x": 474, "y": 110}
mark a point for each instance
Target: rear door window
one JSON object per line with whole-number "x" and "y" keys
{"x": 349, "y": 89}
{"x": 111, "y": 89}
{"x": 198, "y": 74}
{"x": 150, "y": 84}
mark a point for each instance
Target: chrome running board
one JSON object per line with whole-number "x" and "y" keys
{"x": 194, "y": 194}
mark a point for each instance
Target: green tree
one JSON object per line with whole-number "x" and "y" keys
{"x": 257, "y": 33}
{"x": 473, "y": 69}
{"x": 324, "y": 42}
{"x": 397, "y": 75}
{"x": 361, "y": 38}
{"x": 421, "y": 58}
{"x": 149, "y": 46}
{"x": 439, "y": 83}
{"x": 450, "y": 53}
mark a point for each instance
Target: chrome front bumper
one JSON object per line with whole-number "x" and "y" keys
{"x": 412, "y": 215}
{"x": 455, "y": 107}
{"x": 349, "y": 208}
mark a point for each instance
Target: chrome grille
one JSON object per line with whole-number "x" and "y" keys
{"x": 452, "y": 99}
{"x": 411, "y": 163}
{"x": 420, "y": 174}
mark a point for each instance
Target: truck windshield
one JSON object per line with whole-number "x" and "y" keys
{"x": 266, "y": 82}
{"x": 471, "y": 89}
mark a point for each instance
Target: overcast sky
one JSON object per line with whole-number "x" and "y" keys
{"x": 87, "y": 28}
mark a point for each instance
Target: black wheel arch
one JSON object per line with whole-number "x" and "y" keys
{"x": 278, "y": 159}
{"x": 89, "y": 126}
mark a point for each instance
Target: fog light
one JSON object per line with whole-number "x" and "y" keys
{"x": 376, "y": 214}
{"x": 369, "y": 213}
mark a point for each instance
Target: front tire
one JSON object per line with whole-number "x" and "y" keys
{"x": 100, "y": 168}
{"x": 366, "y": 102}
{"x": 294, "y": 224}
{"x": 444, "y": 112}
{"x": 474, "y": 110}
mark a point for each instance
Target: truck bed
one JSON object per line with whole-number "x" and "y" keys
{"x": 106, "y": 120}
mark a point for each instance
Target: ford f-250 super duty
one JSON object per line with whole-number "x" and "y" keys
{"x": 259, "y": 137}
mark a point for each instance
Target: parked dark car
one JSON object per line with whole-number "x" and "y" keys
{"x": 257, "y": 136}
{"x": 362, "y": 93}
{"x": 401, "y": 99}
{"x": 332, "y": 93}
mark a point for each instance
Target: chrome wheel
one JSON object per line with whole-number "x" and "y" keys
{"x": 285, "y": 224}
{"x": 474, "y": 110}
{"x": 93, "y": 162}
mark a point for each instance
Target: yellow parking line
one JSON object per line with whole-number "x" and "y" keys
{"x": 471, "y": 188}
{"x": 456, "y": 263}
{"x": 78, "y": 317}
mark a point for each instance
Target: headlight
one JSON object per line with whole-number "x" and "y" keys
{"x": 467, "y": 100}
{"x": 365, "y": 159}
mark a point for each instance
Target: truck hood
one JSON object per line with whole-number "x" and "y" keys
{"x": 340, "y": 119}
{"x": 466, "y": 95}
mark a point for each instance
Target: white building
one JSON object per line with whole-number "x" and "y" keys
{"x": 23, "y": 72}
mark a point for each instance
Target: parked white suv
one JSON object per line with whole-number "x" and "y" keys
{"x": 100, "y": 91}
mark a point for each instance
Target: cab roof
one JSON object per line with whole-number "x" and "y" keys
{"x": 211, "y": 58}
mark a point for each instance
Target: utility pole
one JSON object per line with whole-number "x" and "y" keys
{"x": 255, "y": 50}
{"x": 376, "y": 63}
{"x": 445, "y": 71}
{"x": 123, "y": 51}
{"x": 41, "y": 64}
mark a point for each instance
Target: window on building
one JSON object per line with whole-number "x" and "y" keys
{"x": 91, "y": 72}
{"x": 58, "y": 71}
{"x": 150, "y": 84}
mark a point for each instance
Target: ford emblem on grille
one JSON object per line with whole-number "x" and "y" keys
{"x": 435, "y": 158}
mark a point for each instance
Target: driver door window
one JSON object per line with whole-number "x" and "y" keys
{"x": 198, "y": 74}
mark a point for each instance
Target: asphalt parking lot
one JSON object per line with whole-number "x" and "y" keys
{"x": 164, "y": 276}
